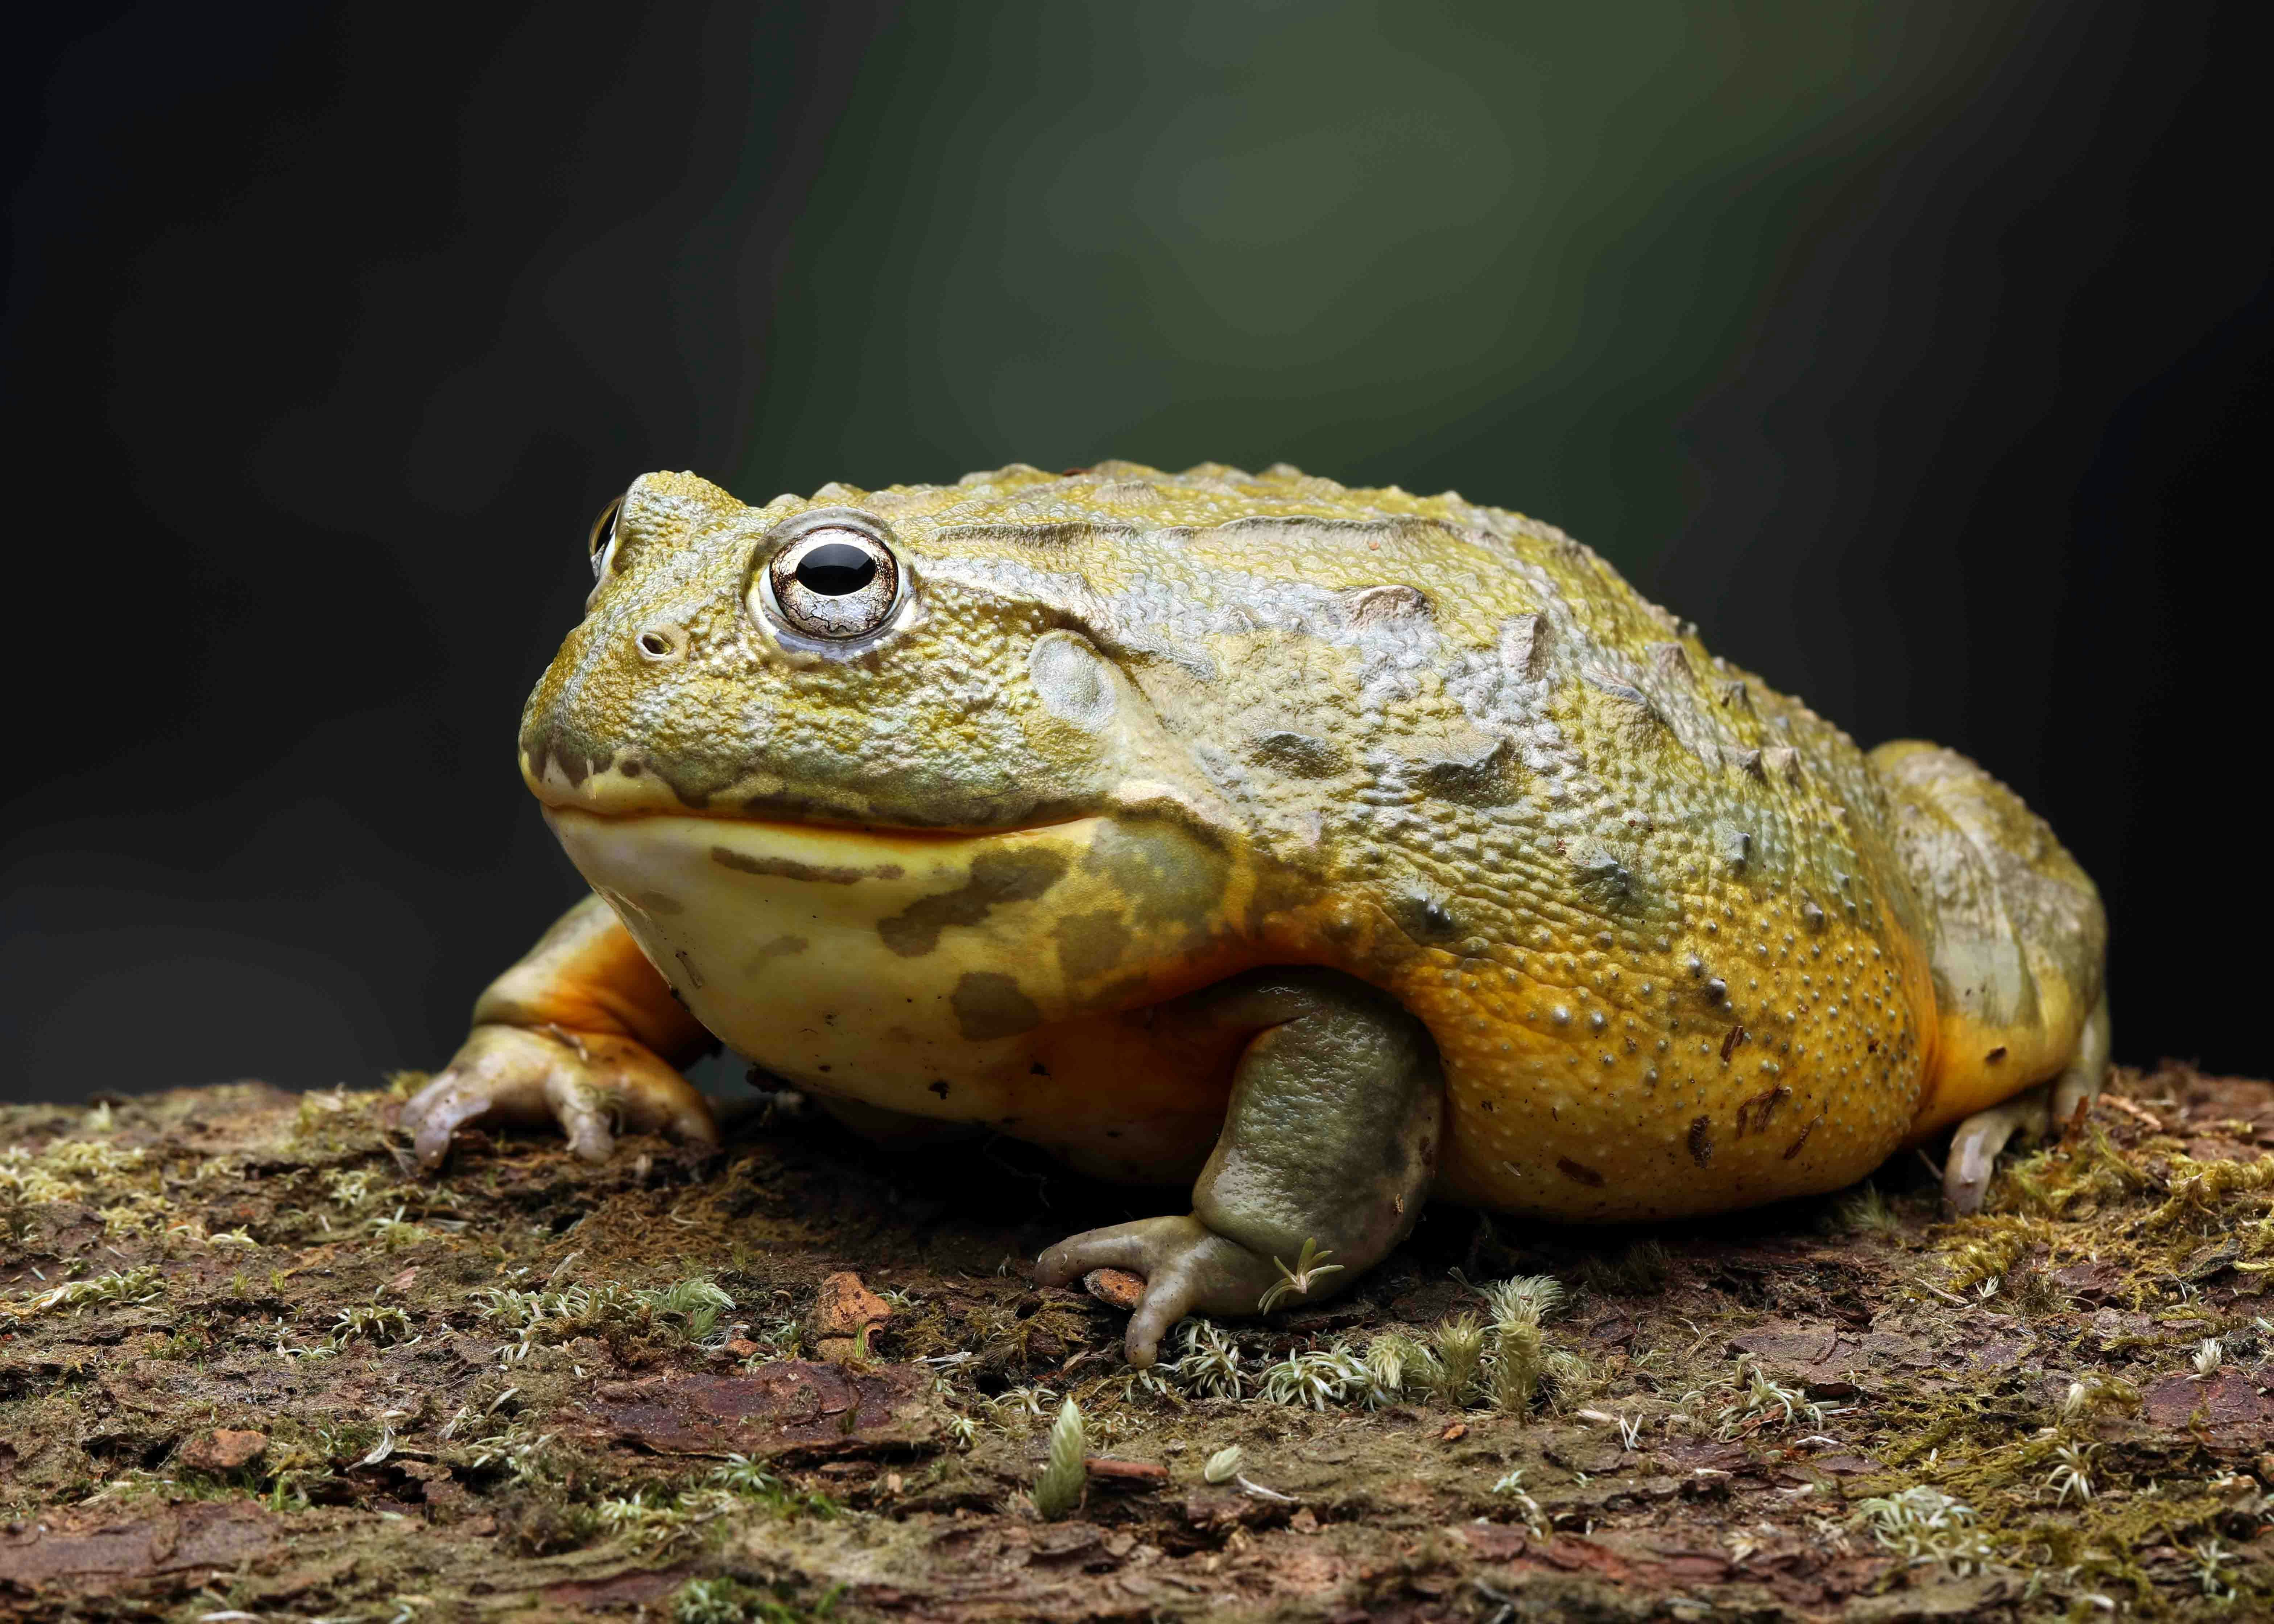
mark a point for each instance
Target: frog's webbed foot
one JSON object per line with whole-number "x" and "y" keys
{"x": 1328, "y": 1147}
{"x": 1188, "y": 1269}
{"x": 2031, "y": 1114}
{"x": 587, "y": 1082}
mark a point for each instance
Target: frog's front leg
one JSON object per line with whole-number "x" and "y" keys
{"x": 1329, "y": 1145}
{"x": 581, "y": 1032}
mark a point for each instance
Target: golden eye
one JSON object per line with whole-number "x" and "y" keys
{"x": 600, "y": 546}
{"x": 833, "y": 578}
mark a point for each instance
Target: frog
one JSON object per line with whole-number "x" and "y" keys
{"x": 1325, "y": 851}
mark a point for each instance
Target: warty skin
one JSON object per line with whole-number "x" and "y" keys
{"x": 1334, "y": 848}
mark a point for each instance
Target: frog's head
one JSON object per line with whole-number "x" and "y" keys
{"x": 850, "y": 659}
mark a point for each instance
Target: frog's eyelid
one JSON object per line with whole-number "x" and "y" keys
{"x": 601, "y": 544}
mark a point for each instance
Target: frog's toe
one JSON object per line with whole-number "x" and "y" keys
{"x": 1188, "y": 1268}
{"x": 587, "y": 1083}
{"x": 1974, "y": 1147}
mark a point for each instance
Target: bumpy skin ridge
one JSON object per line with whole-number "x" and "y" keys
{"x": 1651, "y": 912}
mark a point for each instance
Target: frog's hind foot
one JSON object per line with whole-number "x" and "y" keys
{"x": 2049, "y": 1107}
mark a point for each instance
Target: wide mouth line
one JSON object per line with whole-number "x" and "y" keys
{"x": 810, "y": 827}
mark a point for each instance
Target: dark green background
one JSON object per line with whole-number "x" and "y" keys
{"x": 1918, "y": 351}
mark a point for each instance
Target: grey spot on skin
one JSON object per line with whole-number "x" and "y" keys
{"x": 1524, "y": 643}
{"x": 1424, "y": 919}
{"x": 1602, "y": 874}
{"x": 989, "y": 1004}
{"x": 1298, "y": 755}
{"x": 1606, "y": 683}
{"x": 1071, "y": 680}
{"x": 1091, "y": 945}
{"x": 996, "y": 878}
{"x": 694, "y": 975}
{"x": 1382, "y": 603}
{"x": 1481, "y": 780}
{"x": 788, "y": 868}
{"x": 656, "y": 902}
{"x": 782, "y": 947}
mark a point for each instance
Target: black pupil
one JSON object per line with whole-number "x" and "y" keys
{"x": 836, "y": 569}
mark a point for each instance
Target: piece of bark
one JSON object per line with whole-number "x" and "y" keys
{"x": 1111, "y": 1470}
{"x": 222, "y": 1448}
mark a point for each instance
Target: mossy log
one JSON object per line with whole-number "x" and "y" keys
{"x": 253, "y": 1365}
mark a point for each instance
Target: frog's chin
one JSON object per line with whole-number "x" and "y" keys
{"x": 827, "y": 951}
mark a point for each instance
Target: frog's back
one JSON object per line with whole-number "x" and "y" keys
{"x": 1644, "y": 904}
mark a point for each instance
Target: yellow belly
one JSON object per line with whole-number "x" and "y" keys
{"x": 967, "y": 978}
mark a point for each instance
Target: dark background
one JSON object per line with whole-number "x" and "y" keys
{"x": 1919, "y": 351}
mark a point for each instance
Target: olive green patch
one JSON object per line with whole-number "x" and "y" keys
{"x": 1168, "y": 876}
{"x": 1299, "y": 754}
{"x": 1091, "y": 945}
{"x": 989, "y": 1004}
{"x": 996, "y": 877}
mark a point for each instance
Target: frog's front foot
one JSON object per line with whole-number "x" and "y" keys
{"x": 1329, "y": 1145}
{"x": 1188, "y": 1269}
{"x": 584, "y": 1081}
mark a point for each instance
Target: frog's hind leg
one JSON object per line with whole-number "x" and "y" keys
{"x": 2017, "y": 944}
{"x": 2030, "y": 1115}
{"x": 1328, "y": 1147}
{"x": 582, "y": 1032}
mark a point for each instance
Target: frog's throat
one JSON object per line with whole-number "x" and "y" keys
{"x": 824, "y": 951}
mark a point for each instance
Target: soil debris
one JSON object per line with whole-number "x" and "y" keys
{"x": 251, "y": 1363}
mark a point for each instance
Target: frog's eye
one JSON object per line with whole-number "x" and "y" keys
{"x": 833, "y": 577}
{"x": 602, "y": 544}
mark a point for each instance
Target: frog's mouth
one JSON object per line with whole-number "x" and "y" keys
{"x": 565, "y": 771}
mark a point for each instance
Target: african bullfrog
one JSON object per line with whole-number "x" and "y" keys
{"x": 1335, "y": 850}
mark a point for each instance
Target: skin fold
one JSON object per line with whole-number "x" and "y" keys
{"x": 1329, "y": 850}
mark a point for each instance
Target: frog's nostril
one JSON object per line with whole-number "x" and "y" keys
{"x": 661, "y": 642}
